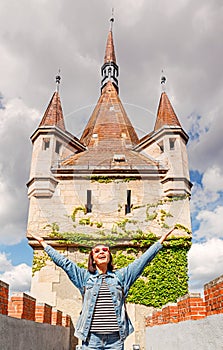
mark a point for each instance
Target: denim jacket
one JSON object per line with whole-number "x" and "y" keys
{"x": 119, "y": 282}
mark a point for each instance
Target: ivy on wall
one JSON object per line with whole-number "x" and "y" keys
{"x": 39, "y": 261}
{"x": 165, "y": 279}
{"x": 108, "y": 179}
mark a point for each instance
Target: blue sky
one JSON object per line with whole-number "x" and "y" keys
{"x": 184, "y": 40}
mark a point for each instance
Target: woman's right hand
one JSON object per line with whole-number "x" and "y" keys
{"x": 38, "y": 238}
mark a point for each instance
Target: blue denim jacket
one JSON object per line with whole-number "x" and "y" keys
{"x": 119, "y": 282}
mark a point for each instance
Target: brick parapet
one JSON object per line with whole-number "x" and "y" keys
{"x": 213, "y": 296}
{"x": 4, "y": 294}
{"x": 56, "y": 317}
{"x": 24, "y": 306}
{"x": 191, "y": 306}
{"x": 170, "y": 313}
{"x": 43, "y": 313}
{"x": 66, "y": 321}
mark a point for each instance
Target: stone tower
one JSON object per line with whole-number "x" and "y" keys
{"x": 108, "y": 186}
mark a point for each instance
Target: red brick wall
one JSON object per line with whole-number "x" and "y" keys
{"x": 170, "y": 313}
{"x": 4, "y": 293}
{"x": 213, "y": 296}
{"x": 66, "y": 321}
{"x": 191, "y": 306}
{"x": 24, "y": 306}
{"x": 57, "y": 318}
{"x": 43, "y": 313}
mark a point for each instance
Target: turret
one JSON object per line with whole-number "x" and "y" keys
{"x": 167, "y": 143}
{"x": 51, "y": 142}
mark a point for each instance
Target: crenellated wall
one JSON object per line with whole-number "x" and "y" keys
{"x": 191, "y": 323}
{"x": 20, "y": 319}
{"x": 191, "y": 306}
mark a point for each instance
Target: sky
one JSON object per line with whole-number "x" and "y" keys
{"x": 182, "y": 38}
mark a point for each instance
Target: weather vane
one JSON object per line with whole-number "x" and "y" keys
{"x": 163, "y": 80}
{"x": 58, "y": 78}
{"x": 112, "y": 18}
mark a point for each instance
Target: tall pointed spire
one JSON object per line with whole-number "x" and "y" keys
{"x": 53, "y": 115}
{"x": 109, "y": 70}
{"x": 165, "y": 113}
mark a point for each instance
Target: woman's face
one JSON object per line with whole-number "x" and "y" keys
{"x": 101, "y": 255}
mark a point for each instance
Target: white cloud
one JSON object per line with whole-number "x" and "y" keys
{"x": 184, "y": 39}
{"x": 17, "y": 122}
{"x": 18, "y": 277}
{"x": 210, "y": 223}
{"x": 207, "y": 194}
{"x": 202, "y": 198}
{"x": 205, "y": 263}
{"x": 5, "y": 264}
{"x": 206, "y": 152}
{"x": 213, "y": 178}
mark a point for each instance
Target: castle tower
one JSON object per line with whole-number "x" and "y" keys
{"x": 109, "y": 186}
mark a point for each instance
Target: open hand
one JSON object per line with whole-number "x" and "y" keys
{"x": 166, "y": 235}
{"x": 38, "y": 238}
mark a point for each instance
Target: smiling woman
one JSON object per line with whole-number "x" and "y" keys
{"x": 100, "y": 259}
{"x": 103, "y": 322}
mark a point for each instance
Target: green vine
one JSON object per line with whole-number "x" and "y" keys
{"x": 108, "y": 179}
{"x": 85, "y": 221}
{"x": 76, "y": 210}
{"x": 163, "y": 280}
{"x": 39, "y": 261}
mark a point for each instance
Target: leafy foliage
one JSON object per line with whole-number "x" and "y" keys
{"x": 39, "y": 261}
{"x": 163, "y": 280}
{"x": 108, "y": 179}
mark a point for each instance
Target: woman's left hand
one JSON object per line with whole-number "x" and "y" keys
{"x": 162, "y": 239}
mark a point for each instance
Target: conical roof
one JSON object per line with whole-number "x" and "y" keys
{"x": 109, "y": 121}
{"x": 110, "y": 49}
{"x": 54, "y": 114}
{"x": 165, "y": 114}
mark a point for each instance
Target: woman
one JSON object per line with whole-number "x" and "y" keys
{"x": 103, "y": 323}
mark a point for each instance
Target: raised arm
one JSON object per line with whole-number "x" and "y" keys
{"x": 75, "y": 273}
{"x": 130, "y": 273}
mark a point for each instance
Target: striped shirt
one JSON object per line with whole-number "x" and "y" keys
{"x": 104, "y": 319}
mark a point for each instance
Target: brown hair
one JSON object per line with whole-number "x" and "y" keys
{"x": 92, "y": 266}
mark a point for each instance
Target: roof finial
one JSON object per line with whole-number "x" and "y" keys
{"x": 163, "y": 80}
{"x": 58, "y": 78}
{"x": 112, "y": 19}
